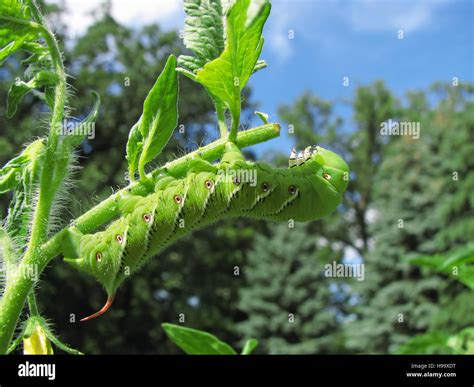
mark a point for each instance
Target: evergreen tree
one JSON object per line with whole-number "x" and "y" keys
{"x": 423, "y": 200}
{"x": 290, "y": 304}
{"x": 314, "y": 122}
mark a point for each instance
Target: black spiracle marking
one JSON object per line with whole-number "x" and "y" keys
{"x": 287, "y": 204}
{"x": 175, "y": 225}
{"x": 151, "y": 234}
{"x": 260, "y": 200}
{"x": 233, "y": 195}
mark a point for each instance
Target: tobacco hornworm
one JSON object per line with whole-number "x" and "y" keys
{"x": 311, "y": 188}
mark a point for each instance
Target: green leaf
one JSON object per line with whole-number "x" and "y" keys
{"x": 435, "y": 342}
{"x": 134, "y": 148}
{"x": 84, "y": 128}
{"x": 249, "y": 346}
{"x": 39, "y": 53}
{"x": 204, "y": 29}
{"x": 428, "y": 343}
{"x": 463, "y": 342}
{"x": 58, "y": 343}
{"x": 263, "y": 117}
{"x": 458, "y": 264}
{"x": 261, "y": 64}
{"x": 19, "y": 30}
{"x": 188, "y": 65}
{"x": 195, "y": 342}
{"x": 204, "y": 33}
{"x": 15, "y": 27}
{"x": 225, "y": 77}
{"x": 14, "y": 8}
{"x": 160, "y": 114}
{"x": 38, "y": 339}
{"x": 19, "y": 89}
{"x": 21, "y": 205}
{"x": 12, "y": 172}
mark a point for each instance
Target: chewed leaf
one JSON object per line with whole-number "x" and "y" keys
{"x": 160, "y": 114}
{"x": 195, "y": 342}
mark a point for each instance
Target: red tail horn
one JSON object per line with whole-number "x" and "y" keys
{"x": 104, "y": 309}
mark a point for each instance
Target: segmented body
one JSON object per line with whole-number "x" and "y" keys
{"x": 205, "y": 194}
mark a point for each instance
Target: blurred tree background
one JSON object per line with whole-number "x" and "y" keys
{"x": 254, "y": 279}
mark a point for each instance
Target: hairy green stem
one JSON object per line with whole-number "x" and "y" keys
{"x": 32, "y": 305}
{"x": 235, "y": 111}
{"x": 18, "y": 289}
{"x": 235, "y": 126}
{"x": 53, "y": 172}
{"x": 56, "y": 160}
{"x": 220, "y": 110}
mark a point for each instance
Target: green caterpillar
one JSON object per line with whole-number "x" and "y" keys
{"x": 311, "y": 188}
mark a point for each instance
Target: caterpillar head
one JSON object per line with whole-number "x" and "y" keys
{"x": 100, "y": 255}
{"x": 328, "y": 176}
{"x": 334, "y": 169}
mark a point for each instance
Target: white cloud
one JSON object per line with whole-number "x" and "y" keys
{"x": 313, "y": 20}
{"x": 168, "y": 13}
{"x": 276, "y": 34}
{"x": 302, "y": 16}
{"x": 377, "y": 15}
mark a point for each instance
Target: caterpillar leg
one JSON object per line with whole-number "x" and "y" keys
{"x": 233, "y": 156}
{"x": 127, "y": 203}
{"x": 198, "y": 164}
{"x": 71, "y": 243}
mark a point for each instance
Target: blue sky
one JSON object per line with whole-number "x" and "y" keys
{"x": 359, "y": 39}
{"x": 333, "y": 39}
